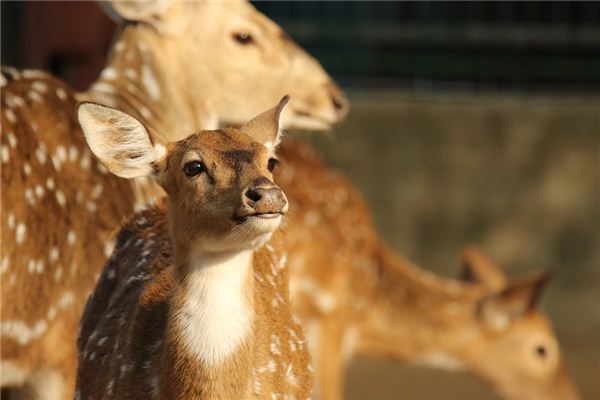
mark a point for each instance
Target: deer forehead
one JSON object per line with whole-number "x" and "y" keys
{"x": 229, "y": 147}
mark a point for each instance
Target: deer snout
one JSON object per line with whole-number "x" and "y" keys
{"x": 340, "y": 102}
{"x": 264, "y": 200}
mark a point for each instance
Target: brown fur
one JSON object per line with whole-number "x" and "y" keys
{"x": 139, "y": 344}
{"x": 355, "y": 297}
{"x": 50, "y": 176}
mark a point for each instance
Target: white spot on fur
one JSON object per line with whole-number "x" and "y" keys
{"x": 61, "y": 153}
{"x": 109, "y": 73}
{"x": 35, "y": 96}
{"x": 53, "y": 254}
{"x": 60, "y": 198}
{"x": 12, "y": 139}
{"x": 26, "y": 168}
{"x": 73, "y": 153}
{"x": 215, "y": 317}
{"x": 40, "y": 153}
{"x": 10, "y": 115}
{"x": 60, "y": 92}
{"x": 96, "y": 191}
{"x": 21, "y": 333}
{"x": 4, "y": 265}
{"x": 5, "y": 155}
{"x": 150, "y": 82}
{"x": 39, "y": 191}
{"x": 441, "y": 360}
{"x": 29, "y": 197}
{"x": 103, "y": 87}
{"x": 71, "y": 238}
{"x": 10, "y": 220}
{"x": 40, "y": 86}
{"x": 20, "y": 233}
{"x": 85, "y": 161}
{"x": 50, "y": 184}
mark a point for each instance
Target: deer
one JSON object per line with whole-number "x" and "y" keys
{"x": 327, "y": 209}
{"x": 356, "y": 297}
{"x": 192, "y": 308}
{"x": 60, "y": 207}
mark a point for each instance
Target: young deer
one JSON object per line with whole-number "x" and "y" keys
{"x": 355, "y": 297}
{"x": 178, "y": 67}
{"x": 205, "y": 319}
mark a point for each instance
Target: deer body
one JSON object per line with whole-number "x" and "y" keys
{"x": 48, "y": 268}
{"x": 370, "y": 302}
{"x": 60, "y": 209}
{"x": 189, "y": 324}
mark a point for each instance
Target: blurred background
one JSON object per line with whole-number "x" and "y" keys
{"x": 471, "y": 123}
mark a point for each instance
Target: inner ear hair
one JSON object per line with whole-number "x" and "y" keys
{"x": 517, "y": 299}
{"x": 120, "y": 141}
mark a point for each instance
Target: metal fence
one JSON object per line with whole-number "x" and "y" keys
{"x": 539, "y": 46}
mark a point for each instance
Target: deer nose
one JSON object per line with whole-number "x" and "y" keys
{"x": 265, "y": 199}
{"x": 341, "y": 105}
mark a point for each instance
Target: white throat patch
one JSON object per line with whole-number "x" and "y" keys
{"x": 216, "y": 318}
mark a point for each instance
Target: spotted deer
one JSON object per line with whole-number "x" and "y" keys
{"x": 177, "y": 67}
{"x": 361, "y": 299}
{"x": 191, "y": 308}
{"x": 326, "y": 207}
{"x": 356, "y": 297}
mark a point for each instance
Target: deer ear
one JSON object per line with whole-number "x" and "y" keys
{"x": 514, "y": 301}
{"x": 480, "y": 269}
{"x": 266, "y": 127}
{"x": 135, "y": 10}
{"x": 119, "y": 141}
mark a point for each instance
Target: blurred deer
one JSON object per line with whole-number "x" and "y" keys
{"x": 355, "y": 297}
{"x": 177, "y": 67}
{"x": 201, "y": 322}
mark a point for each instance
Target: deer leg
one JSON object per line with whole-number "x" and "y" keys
{"x": 330, "y": 361}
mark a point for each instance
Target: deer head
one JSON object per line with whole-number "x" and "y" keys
{"x": 516, "y": 349}
{"x": 223, "y": 52}
{"x": 220, "y": 183}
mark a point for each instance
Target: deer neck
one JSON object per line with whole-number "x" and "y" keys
{"x": 412, "y": 306}
{"x": 210, "y": 323}
{"x": 143, "y": 79}
{"x": 146, "y": 77}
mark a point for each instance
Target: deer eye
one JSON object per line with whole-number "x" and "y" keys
{"x": 194, "y": 168}
{"x": 243, "y": 37}
{"x": 273, "y": 162}
{"x": 541, "y": 351}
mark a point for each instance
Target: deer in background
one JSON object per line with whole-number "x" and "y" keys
{"x": 190, "y": 309}
{"x": 178, "y": 67}
{"x": 355, "y": 297}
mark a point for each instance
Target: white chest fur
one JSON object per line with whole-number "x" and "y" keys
{"x": 216, "y": 316}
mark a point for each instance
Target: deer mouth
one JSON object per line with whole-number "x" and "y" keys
{"x": 305, "y": 120}
{"x": 262, "y": 215}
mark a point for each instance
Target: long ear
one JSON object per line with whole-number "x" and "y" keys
{"x": 518, "y": 298}
{"x": 266, "y": 127}
{"x": 147, "y": 11}
{"x": 119, "y": 141}
{"x": 480, "y": 269}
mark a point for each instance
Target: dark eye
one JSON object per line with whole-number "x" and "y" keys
{"x": 541, "y": 351}
{"x": 243, "y": 37}
{"x": 273, "y": 162}
{"x": 194, "y": 168}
